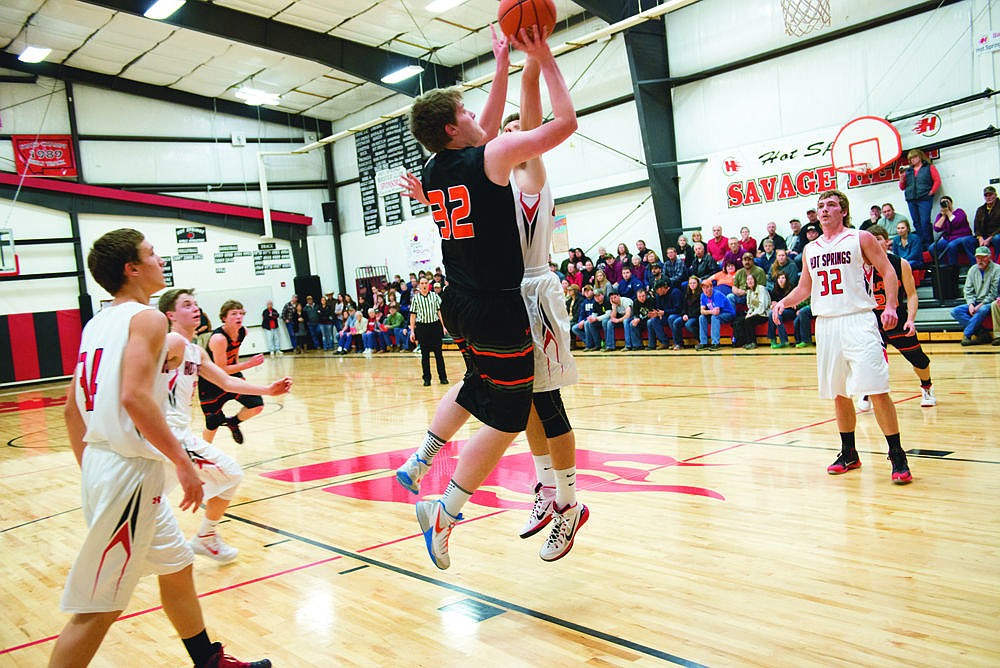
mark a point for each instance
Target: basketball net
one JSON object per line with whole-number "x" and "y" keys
{"x": 804, "y": 16}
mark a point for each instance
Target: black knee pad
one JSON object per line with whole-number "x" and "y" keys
{"x": 552, "y": 413}
{"x": 214, "y": 420}
{"x": 917, "y": 357}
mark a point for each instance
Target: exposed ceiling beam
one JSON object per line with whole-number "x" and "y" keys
{"x": 123, "y": 85}
{"x": 365, "y": 62}
{"x": 611, "y": 11}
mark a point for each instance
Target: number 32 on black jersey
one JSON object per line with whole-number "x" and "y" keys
{"x": 449, "y": 214}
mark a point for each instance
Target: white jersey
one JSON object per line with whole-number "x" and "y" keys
{"x": 535, "y": 221}
{"x": 182, "y": 385}
{"x": 98, "y": 381}
{"x": 841, "y": 280}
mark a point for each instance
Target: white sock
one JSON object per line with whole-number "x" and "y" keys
{"x": 432, "y": 444}
{"x": 543, "y": 469}
{"x": 454, "y": 499}
{"x": 565, "y": 487}
{"x": 207, "y": 527}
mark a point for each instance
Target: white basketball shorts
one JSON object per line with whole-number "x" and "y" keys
{"x": 850, "y": 357}
{"x": 220, "y": 472}
{"x": 132, "y": 531}
{"x": 554, "y": 363}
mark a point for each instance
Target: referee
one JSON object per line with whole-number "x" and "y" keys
{"x": 426, "y": 329}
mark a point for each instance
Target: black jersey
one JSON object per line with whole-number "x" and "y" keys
{"x": 207, "y": 389}
{"x": 878, "y": 289}
{"x": 476, "y": 218}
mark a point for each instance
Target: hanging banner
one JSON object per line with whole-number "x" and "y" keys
{"x": 44, "y": 155}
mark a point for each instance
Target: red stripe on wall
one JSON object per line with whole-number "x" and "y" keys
{"x": 165, "y": 201}
{"x": 23, "y": 346}
{"x": 69, "y": 325}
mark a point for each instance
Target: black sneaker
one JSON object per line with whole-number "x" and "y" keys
{"x": 714, "y": 347}
{"x": 844, "y": 463}
{"x": 234, "y": 427}
{"x": 222, "y": 660}
{"x": 900, "y": 470}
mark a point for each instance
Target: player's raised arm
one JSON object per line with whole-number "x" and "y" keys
{"x": 530, "y": 176}
{"x": 512, "y": 148}
{"x": 492, "y": 112}
{"x": 215, "y": 375}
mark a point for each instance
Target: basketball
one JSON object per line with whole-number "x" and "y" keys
{"x": 516, "y": 14}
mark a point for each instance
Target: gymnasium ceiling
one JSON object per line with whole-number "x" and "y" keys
{"x": 324, "y": 58}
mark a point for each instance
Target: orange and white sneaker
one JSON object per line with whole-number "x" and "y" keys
{"x": 565, "y": 523}
{"x": 212, "y": 546}
{"x": 436, "y": 525}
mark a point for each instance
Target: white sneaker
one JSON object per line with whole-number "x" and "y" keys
{"x": 541, "y": 512}
{"x": 565, "y": 524}
{"x": 409, "y": 474}
{"x": 928, "y": 399}
{"x": 864, "y": 403}
{"x": 436, "y": 525}
{"x": 212, "y": 546}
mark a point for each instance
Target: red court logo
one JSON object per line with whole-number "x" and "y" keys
{"x": 508, "y": 486}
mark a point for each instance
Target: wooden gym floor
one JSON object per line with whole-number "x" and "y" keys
{"x": 716, "y": 537}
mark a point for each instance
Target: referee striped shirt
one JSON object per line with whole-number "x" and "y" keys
{"x": 425, "y": 307}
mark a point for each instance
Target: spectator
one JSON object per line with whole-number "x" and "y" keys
{"x": 602, "y": 284}
{"x": 986, "y": 225}
{"x": 652, "y": 259}
{"x": 758, "y": 305}
{"x": 347, "y": 332}
{"x": 641, "y": 250}
{"x": 702, "y": 266}
{"x": 269, "y": 323}
{"x": 696, "y": 238}
{"x": 396, "y": 325}
{"x": 747, "y": 243}
{"x": 301, "y": 329}
{"x": 777, "y": 241}
{"x": 595, "y": 321}
{"x": 874, "y": 216}
{"x": 890, "y": 219}
{"x": 724, "y": 279}
{"x": 666, "y": 302}
{"x": 638, "y": 269}
{"x": 624, "y": 257}
{"x": 360, "y": 329}
{"x": 675, "y": 272}
{"x": 715, "y": 310}
{"x": 654, "y": 274}
{"x": 733, "y": 254}
{"x": 612, "y": 268}
{"x": 642, "y": 307}
{"x": 739, "y": 293}
{"x": 782, "y": 265}
{"x": 619, "y": 313}
{"x": 376, "y": 336}
{"x": 573, "y": 299}
{"x": 767, "y": 255}
{"x": 573, "y": 276}
{"x": 981, "y": 287}
{"x": 776, "y": 333}
{"x": 291, "y": 319}
{"x": 684, "y": 250}
{"x": 629, "y": 285}
{"x": 953, "y": 225}
{"x": 570, "y": 259}
{"x": 794, "y": 242}
{"x": 802, "y": 325}
{"x": 919, "y": 181}
{"x": 690, "y": 313}
{"x": 584, "y": 310}
{"x": 908, "y": 246}
{"x": 717, "y": 245}
{"x": 203, "y": 332}
{"x": 325, "y": 322}
{"x": 810, "y": 232}
{"x": 311, "y": 311}
{"x": 588, "y": 272}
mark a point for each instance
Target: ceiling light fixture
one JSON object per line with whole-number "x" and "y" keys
{"x": 256, "y": 97}
{"x": 161, "y": 9}
{"x": 402, "y": 74}
{"x": 34, "y": 54}
{"x": 439, "y": 6}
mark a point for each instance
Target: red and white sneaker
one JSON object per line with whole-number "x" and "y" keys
{"x": 541, "y": 512}
{"x": 212, "y": 546}
{"x": 844, "y": 463}
{"x": 566, "y": 522}
{"x": 900, "y": 469}
{"x": 222, "y": 660}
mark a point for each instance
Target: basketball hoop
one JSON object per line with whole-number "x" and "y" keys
{"x": 804, "y": 16}
{"x": 859, "y": 169}
{"x": 864, "y": 145}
